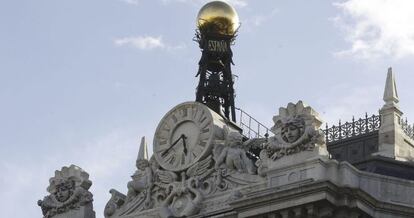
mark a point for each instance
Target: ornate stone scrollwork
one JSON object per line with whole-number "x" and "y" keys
{"x": 152, "y": 187}
{"x": 116, "y": 201}
{"x": 184, "y": 199}
{"x": 296, "y": 129}
{"x": 232, "y": 167}
{"x": 68, "y": 190}
{"x": 178, "y": 194}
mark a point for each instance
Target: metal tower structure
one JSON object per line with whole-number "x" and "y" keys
{"x": 217, "y": 28}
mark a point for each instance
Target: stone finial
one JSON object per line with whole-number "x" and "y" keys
{"x": 392, "y": 139}
{"x": 143, "y": 150}
{"x": 69, "y": 195}
{"x": 390, "y": 91}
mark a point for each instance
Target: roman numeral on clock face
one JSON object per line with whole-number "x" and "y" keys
{"x": 170, "y": 158}
{"x": 163, "y": 142}
{"x": 197, "y": 150}
{"x": 184, "y": 112}
{"x": 205, "y": 130}
{"x": 198, "y": 115}
{"x": 203, "y": 143}
{"x": 202, "y": 119}
{"x": 174, "y": 118}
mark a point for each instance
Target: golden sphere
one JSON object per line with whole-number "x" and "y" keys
{"x": 218, "y": 17}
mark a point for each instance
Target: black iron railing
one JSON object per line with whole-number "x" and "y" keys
{"x": 250, "y": 126}
{"x": 358, "y": 127}
{"x": 407, "y": 128}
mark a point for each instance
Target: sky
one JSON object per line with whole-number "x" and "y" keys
{"x": 82, "y": 81}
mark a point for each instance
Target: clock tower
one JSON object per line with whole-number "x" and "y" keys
{"x": 217, "y": 25}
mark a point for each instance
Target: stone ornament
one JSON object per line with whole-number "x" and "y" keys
{"x": 196, "y": 155}
{"x": 142, "y": 178}
{"x": 296, "y": 129}
{"x": 231, "y": 153}
{"x": 184, "y": 199}
{"x": 116, "y": 201}
{"x": 138, "y": 197}
{"x": 68, "y": 191}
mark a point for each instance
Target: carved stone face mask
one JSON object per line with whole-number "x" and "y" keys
{"x": 291, "y": 133}
{"x": 63, "y": 192}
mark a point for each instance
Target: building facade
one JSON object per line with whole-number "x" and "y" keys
{"x": 205, "y": 164}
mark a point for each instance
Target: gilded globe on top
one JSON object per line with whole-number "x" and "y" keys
{"x": 218, "y": 17}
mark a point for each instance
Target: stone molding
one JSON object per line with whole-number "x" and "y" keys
{"x": 329, "y": 181}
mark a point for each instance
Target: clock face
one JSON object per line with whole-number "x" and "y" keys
{"x": 184, "y": 136}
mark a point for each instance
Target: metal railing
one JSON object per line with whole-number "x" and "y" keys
{"x": 358, "y": 127}
{"x": 250, "y": 126}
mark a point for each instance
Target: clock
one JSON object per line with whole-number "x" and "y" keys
{"x": 186, "y": 135}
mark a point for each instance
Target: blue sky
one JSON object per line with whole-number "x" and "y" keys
{"x": 82, "y": 81}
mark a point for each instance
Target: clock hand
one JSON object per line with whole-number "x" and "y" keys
{"x": 172, "y": 145}
{"x": 185, "y": 146}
